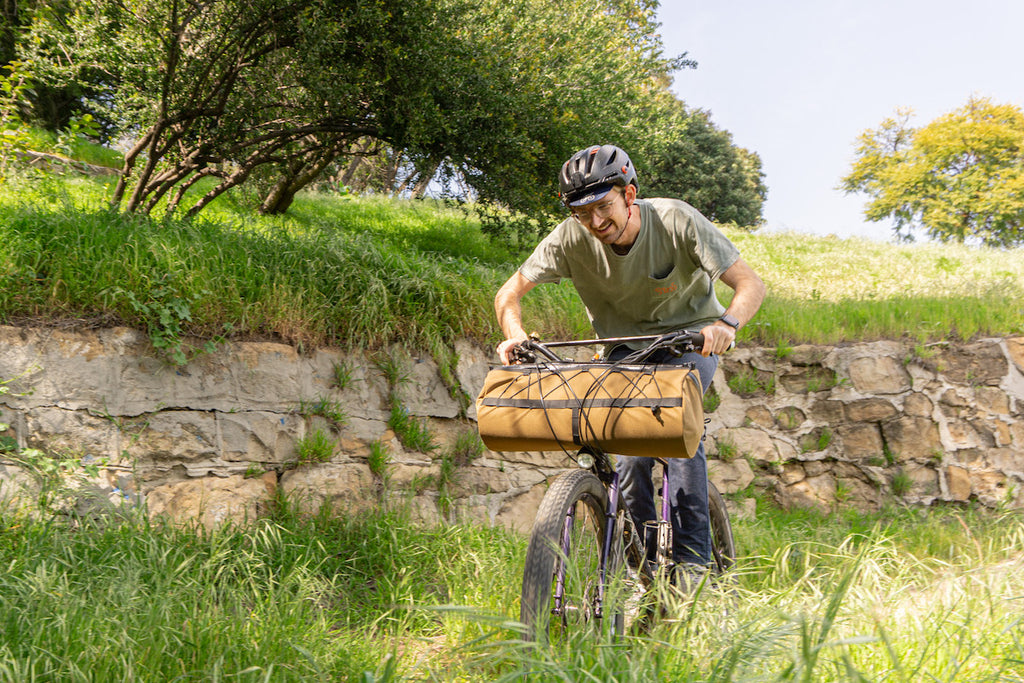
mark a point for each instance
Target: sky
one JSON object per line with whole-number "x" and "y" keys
{"x": 798, "y": 80}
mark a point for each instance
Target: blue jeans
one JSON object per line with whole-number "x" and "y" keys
{"x": 687, "y": 484}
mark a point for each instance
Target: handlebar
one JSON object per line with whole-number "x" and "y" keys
{"x": 684, "y": 341}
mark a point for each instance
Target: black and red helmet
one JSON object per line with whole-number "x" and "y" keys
{"x": 591, "y": 173}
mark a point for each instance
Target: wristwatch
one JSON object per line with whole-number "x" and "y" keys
{"x": 730, "y": 321}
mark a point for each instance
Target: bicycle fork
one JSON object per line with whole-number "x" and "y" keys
{"x": 611, "y": 515}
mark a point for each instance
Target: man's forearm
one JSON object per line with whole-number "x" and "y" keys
{"x": 749, "y": 291}
{"x": 508, "y": 308}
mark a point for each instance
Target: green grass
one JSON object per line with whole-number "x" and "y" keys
{"x": 368, "y": 272}
{"x": 904, "y": 595}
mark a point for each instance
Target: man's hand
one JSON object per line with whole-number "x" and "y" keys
{"x": 718, "y": 338}
{"x": 505, "y": 348}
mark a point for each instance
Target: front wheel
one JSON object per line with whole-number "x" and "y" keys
{"x": 565, "y": 582}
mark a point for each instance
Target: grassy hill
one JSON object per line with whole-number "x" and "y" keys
{"x": 350, "y": 271}
{"x": 904, "y": 595}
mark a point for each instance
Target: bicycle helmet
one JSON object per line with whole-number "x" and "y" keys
{"x": 591, "y": 173}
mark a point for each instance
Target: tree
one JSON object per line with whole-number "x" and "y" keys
{"x": 690, "y": 158}
{"x": 219, "y": 88}
{"x": 493, "y": 94}
{"x": 960, "y": 178}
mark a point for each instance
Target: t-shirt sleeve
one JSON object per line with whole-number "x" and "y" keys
{"x": 710, "y": 247}
{"x": 547, "y": 263}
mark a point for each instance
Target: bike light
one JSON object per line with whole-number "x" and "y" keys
{"x": 585, "y": 460}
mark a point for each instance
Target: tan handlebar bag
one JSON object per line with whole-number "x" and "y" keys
{"x": 652, "y": 410}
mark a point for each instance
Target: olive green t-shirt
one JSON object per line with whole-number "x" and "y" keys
{"x": 665, "y": 282}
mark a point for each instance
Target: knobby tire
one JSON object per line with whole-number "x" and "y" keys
{"x": 723, "y": 546}
{"x": 579, "y": 568}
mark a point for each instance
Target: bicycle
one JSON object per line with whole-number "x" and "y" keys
{"x": 585, "y": 550}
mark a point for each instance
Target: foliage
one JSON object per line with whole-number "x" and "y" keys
{"x": 413, "y": 432}
{"x": 165, "y": 312}
{"x": 689, "y": 158}
{"x": 959, "y": 179}
{"x": 317, "y": 446}
{"x": 277, "y": 90}
{"x": 324, "y": 407}
{"x": 15, "y": 87}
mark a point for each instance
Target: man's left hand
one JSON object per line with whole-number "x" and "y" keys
{"x": 718, "y": 338}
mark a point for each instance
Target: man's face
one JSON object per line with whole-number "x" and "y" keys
{"x": 607, "y": 218}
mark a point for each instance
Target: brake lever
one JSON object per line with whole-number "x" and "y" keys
{"x": 519, "y": 354}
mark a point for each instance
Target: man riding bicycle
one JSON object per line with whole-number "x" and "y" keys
{"x": 641, "y": 267}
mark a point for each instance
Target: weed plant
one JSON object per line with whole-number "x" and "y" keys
{"x": 317, "y": 446}
{"x": 413, "y": 432}
{"x": 324, "y": 407}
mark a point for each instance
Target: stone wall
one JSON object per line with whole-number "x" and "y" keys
{"x": 216, "y": 439}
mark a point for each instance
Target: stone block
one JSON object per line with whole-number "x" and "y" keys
{"x": 828, "y": 411}
{"x": 71, "y": 432}
{"x": 256, "y": 436}
{"x": 761, "y": 416}
{"x": 918, "y": 405}
{"x": 979, "y": 363}
{"x": 1015, "y": 347}
{"x": 870, "y": 410}
{"x": 861, "y": 441}
{"x": 749, "y": 442}
{"x": 172, "y": 437}
{"x": 346, "y": 487}
{"x": 924, "y": 480}
{"x": 858, "y": 493}
{"x": 879, "y": 375}
{"x": 479, "y": 481}
{"x": 471, "y": 369}
{"x": 745, "y": 509}
{"x": 992, "y": 400}
{"x": 791, "y": 473}
{"x": 790, "y": 418}
{"x": 958, "y": 483}
{"x": 912, "y": 437}
{"x": 210, "y": 501}
{"x": 810, "y": 379}
{"x": 18, "y": 490}
{"x": 425, "y": 394}
{"x": 992, "y": 487}
{"x": 519, "y": 512}
{"x": 730, "y": 477}
{"x": 811, "y": 492}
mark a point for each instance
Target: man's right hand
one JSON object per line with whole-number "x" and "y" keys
{"x": 505, "y": 348}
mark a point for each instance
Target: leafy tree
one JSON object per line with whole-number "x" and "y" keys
{"x": 559, "y": 76}
{"x": 688, "y": 157}
{"x": 219, "y": 88}
{"x": 960, "y": 178}
{"x": 492, "y": 94}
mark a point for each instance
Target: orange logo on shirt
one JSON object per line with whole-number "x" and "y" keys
{"x": 666, "y": 290}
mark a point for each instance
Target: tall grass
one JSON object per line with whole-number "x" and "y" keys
{"x": 897, "y": 596}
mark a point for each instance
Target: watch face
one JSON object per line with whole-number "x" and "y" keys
{"x": 730, "y": 321}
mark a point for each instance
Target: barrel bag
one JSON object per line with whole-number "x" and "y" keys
{"x": 646, "y": 409}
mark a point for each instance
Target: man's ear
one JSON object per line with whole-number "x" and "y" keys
{"x": 630, "y": 193}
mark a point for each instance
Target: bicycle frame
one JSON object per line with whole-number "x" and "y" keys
{"x": 579, "y": 495}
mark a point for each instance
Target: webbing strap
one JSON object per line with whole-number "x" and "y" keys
{"x": 620, "y": 402}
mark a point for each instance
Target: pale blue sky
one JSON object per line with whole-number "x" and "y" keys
{"x": 797, "y": 82}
